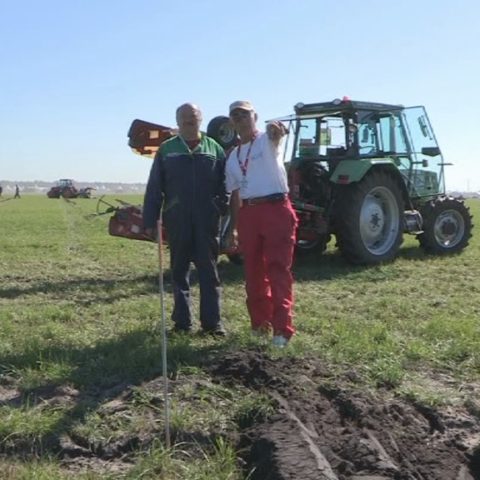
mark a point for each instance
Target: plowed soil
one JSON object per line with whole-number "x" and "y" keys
{"x": 325, "y": 429}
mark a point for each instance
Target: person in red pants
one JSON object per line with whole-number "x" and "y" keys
{"x": 265, "y": 220}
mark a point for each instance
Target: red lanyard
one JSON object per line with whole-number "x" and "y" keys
{"x": 243, "y": 166}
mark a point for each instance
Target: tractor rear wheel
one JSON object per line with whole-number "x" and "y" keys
{"x": 221, "y": 130}
{"x": 369, "y": 219}
{"x": 68, "y": 192}
{"x": 447, "y": 226}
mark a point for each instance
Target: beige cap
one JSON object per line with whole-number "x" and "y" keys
{"x": 241, "y": 105}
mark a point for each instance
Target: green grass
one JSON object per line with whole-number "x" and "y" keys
{"x": 79, "y": 309}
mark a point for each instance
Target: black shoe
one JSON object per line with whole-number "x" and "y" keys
{"x": 217, "y": 331}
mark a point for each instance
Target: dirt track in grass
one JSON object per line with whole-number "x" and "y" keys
{"x": 325, "y": 427}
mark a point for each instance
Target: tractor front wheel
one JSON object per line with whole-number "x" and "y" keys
{"x": 447, "y": 226}
{"x": 369, "y": 219}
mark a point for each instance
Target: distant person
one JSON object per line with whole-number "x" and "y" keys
{"x": 17, "y": 192}
{"x": 187, "y": 180}
{"x": 1, "y": 190}
{"x": 266, "y": 222}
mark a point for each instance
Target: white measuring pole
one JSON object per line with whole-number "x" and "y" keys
{"x": 164, "y": 333}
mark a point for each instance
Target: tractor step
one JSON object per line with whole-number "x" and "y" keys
{"x": 413, "y": 222}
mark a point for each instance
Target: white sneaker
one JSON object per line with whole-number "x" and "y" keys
{"x": 279, "y": 341}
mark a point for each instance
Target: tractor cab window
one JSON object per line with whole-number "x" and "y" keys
{"x": 391, "y": 136}
{"x": 426, "y": 162}
{"x": 64, "y": 182}
{"x": 381, "y": 135}
{"x": 367, "y": 138}
{"x": 318, "y": 137}
{"x": 307, "y": 144}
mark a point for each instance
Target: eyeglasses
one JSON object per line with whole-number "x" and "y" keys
{"x": 238, "y": 114}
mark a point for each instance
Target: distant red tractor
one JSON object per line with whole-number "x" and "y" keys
{"x": 65, "y": 188}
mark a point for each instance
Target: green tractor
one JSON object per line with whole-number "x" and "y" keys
{"x": 368, "y": 173}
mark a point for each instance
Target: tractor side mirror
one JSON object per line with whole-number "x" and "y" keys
{"x": 431, "y": 151}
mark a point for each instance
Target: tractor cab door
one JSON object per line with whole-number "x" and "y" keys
{"x": 425, "y": 171}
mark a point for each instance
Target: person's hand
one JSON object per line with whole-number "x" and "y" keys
{"x": 275, "y": 131}
{"x": 231, "y": 240}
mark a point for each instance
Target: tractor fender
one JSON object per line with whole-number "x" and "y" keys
{"x": 351, "y": 171}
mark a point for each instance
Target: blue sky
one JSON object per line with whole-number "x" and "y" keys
{"x": 74, "y": 74}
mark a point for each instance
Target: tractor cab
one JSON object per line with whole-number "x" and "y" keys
{"x": 348, "y": 137}
{"x": 64, "y": 183}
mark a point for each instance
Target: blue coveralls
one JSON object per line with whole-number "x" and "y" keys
{"x": 189, "y": 184}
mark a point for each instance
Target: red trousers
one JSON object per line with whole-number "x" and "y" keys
{"x": 266, "y": 234}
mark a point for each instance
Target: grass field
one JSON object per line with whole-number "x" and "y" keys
{"x": 80, "y": 359}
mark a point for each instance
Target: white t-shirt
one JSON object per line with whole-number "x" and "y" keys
{"x": 264, "y": 173}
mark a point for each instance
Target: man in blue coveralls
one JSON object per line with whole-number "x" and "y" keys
{"x": 187, "y": 180}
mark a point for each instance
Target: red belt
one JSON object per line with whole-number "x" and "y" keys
{"x": 273, "y": 198}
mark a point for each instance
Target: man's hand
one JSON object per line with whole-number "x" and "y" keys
{"x": 230, "y": 241}
{"x": 275, "y": 131}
